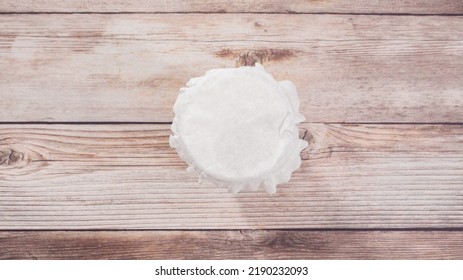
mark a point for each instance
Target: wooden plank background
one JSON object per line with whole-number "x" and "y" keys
{"x": 127, "y": 177}
{"x": 451, "y": 7}
{"x": 244, "y": 244}
{"x": 346, "y": 68}
{"x": 86, "y": 95}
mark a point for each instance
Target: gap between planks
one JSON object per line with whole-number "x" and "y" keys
{"x": 243, "y": 244}
{"x": 169, "y": 123}
{"x": 234, "y": 13}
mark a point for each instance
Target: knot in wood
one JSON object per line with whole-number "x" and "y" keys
{"x": 250, "y": 58}
{"x": 307, "y": 136}
{"x": 10, "y": 157}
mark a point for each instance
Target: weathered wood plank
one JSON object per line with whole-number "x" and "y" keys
{"x": 129, "y": 67}
{"x": 247, "y": 244}
{"x": 237, "y": 6}
{"x": 126, "y": 177}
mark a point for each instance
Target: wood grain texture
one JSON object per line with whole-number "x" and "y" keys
{"x": 128, "y": 68}
{"x": 246, "y": 244}
{"x": 237, "y": 6}
{"x": 126, "y": 177}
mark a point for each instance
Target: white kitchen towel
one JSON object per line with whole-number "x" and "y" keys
{"x": 236, "y": 127}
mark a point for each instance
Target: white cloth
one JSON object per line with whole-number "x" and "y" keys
{"x": 237, "y": 127}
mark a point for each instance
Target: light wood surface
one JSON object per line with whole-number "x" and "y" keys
{"x": 244, "y": 244}
{"x": 237, "y": 6}
{"x": 127, "y": 177}
{"x": 129, "y": 68}
{"x": 380, "y": 84}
